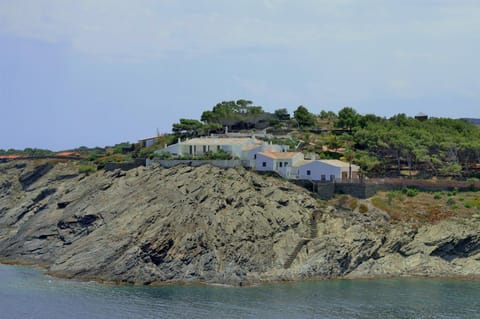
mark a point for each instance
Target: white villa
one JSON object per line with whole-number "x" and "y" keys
{"x": 244, "y": 149}
{"x": 262, "y": 156}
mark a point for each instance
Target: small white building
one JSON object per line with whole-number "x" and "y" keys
{"x": 147, "y": 142}
{"x": 327, "y": 170}
{"x": 250, "y": 154}
{"x": 280, "y": 162}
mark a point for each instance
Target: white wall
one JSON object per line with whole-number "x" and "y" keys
{"x": 288, "y": 170}
{"x": 259, "y": 161}
{"x": 150, "y": 142}
{"x": 174, "y": 149}
{"x": 317, "y": 169}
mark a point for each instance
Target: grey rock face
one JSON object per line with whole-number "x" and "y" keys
{"x": 184, "y": 224}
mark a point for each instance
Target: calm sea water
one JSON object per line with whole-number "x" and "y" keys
{"x": 27, "y": 293}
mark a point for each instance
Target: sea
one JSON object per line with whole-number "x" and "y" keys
{"x": 27, "y": 292}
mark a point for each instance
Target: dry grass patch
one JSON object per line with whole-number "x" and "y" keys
{"x": 427, "y": 207}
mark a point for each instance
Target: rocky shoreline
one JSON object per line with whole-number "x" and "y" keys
{"x": 209, "y": 225}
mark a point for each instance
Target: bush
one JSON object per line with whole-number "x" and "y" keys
{"x": 450, "y": 202}
{"x": 410, "y": 192}
{"x": 86, "y": 169}
{"x": 163, "y": 155}
{"x": 453, "y": 192}
{"x": 363, "y": 208}
{"x": 468, "y": 205}
{"x": 437, "y": 196}
{"x": 93, "y": 157}
{"x": 353, "y": 204}
{"x": 219, "y": 155}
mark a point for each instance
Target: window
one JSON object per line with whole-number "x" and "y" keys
{"x": 280, "y": 164}
{"x": 285, "y": 163}
{"x": 332, "y": 178}
{"x": 255, "y": 156}
{"x": 309, "y": 172}
{"x": 264, "y": 164}
{"x": 323, "y": 178}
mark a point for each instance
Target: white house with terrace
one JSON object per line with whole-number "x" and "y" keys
{"x": 244, "y": 149}
{"x": 262, "y": 156}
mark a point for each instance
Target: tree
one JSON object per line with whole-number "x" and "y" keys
{"x": 348, "y": 118}
{"x": 282, "y": 114}
{"x": 304, "y": 117}
{"x": 240, "y": 114}
{"x": 188, "y": 127}
{"x": 328, "y": 117}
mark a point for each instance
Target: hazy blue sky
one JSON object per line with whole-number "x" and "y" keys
{"x": 98, "y": 72}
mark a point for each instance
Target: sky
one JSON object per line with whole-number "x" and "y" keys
{"x": 100, "y": 72}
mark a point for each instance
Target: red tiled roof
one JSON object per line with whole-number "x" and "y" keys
{"x": 10, "y": 156}
{"x": 68, "y": 154}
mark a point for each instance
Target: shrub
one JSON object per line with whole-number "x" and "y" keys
{"x": 219, "y": 155}
{"x": 410, "y": 192}
{"x": 437, "y": 196}
{"x": 390, "y": 197}
{"x": 453, "y": 192}
{"x": 86, "y": 169}
{"x": 164, "y": 155}
{"x": 353, "y": 204}
{"x": 93, "y": 157}
{"x": 468, "y": 205}
{"x": 363, "y": 208}
{"x": 450, "y": 202}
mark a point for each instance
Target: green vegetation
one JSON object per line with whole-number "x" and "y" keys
{"x": 434, "y": 147}
{"x": 87, "y": 168}
{"x": 28, "y": 152}
{"x": 219, "y": 155}
{"x": 237, "y": 115}
{"x": 410, "y": 192}
{"x": 303, "y": 117}
{"x": 396, "y": 146}
{"x": 383, "y": 147}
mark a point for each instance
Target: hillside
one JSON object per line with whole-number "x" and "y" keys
{"x": 155, "y": 225}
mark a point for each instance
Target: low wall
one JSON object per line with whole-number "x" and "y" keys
{"x": 326, "y": 190}
{"x": 362, "y": 190}
{"x": 196, "y": 163}
{"x": 366, "y": 190}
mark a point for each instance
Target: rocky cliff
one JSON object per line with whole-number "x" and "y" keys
{"x": 205, "y": 224}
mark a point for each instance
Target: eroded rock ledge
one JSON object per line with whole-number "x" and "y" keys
{"x": 184, "y": 224}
